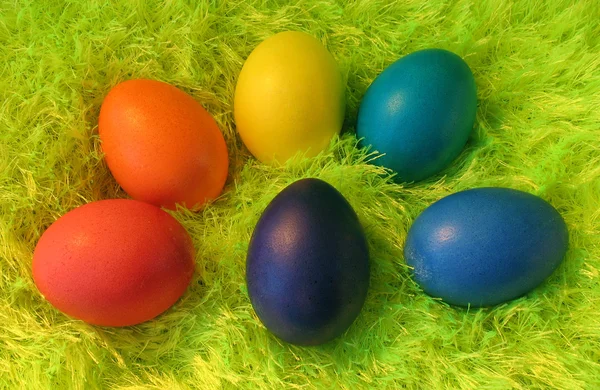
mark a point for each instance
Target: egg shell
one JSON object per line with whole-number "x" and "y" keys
{"x": 419, "y": 113}
{"x": 161, "y": 145}
{"x": 307, "y": 268}
{"x": 289, "y": 98}
{"x": 115, "y": 262}
{"x": 485, "y": 246}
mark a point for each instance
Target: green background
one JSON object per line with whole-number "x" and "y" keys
{"x": 537, "y": 68}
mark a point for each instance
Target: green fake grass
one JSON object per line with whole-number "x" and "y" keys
{"x": 537, "y": 67}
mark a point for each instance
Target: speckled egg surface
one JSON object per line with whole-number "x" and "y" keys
{"x": 161, "y": 145}
{"x": 419, "y": 113}
{"x": 307, "y": 268}
{"x": 289, "y": 98}
{"x": 114, "y": 262}
{"x": 485, "y": 246}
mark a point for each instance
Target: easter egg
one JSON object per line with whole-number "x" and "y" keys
{"x": 307, "y": 268}
{"x": 115, "y": 262}
{"x": 485, "y": 246}
{"x": 161, "y": 146}
{"x": 289, "y": 98}
{"x": 418, "y": 113}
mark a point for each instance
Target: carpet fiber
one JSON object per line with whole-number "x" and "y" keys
{"x": 537, "y": 68}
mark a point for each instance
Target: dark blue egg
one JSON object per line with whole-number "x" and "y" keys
{"x": 307, "y": 268}
{"x": 485, "y": 246}
{"x": 419, "y": 112}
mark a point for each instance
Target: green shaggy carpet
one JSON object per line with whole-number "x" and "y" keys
{"x": 537, "y": 67}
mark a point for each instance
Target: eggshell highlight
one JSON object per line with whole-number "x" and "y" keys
{"x": 289, "y": 98}
{"x": 114, "y": 262}
{"x": 308, "y": 264}
{"x": 485, "y": 246}
{"x": 419, "y": 113}
{"x": 161, "y": 145}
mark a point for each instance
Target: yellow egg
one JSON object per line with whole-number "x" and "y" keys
{"x": 289, "y": 98}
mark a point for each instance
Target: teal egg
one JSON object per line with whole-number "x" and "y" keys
{"x": 419, "y": 113}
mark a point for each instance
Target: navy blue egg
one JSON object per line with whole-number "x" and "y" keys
{"x": 485, "y": 246}
{"x": 307, "y": 268}
{"x": 419, "y": 112}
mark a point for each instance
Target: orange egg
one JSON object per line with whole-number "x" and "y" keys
{"x": 161, "y": 145}
{"x": 114, "y": 262}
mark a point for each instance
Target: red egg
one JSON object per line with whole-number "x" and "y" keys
{"x": 115, "y": 262}
{"x": 161, "y": 145}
